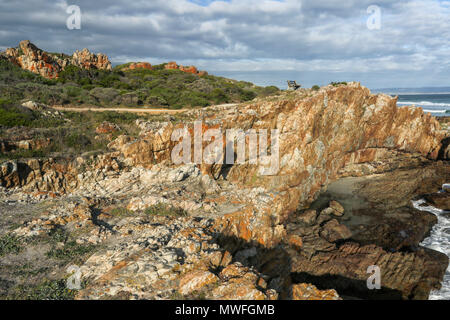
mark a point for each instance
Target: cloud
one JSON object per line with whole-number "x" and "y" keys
{"x": 324, "y": 36}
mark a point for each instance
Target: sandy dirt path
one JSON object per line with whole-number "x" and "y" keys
{"x": 132, "y": 110}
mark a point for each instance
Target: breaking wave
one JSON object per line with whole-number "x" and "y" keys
{"x": 438, "y": 240}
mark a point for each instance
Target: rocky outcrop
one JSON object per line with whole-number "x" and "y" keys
{"x": 251, "y": 236}
{"x": 439, "y": 200}
{"x": 138, "y": 65}
{"x": 87, "y": 60}
{"x": 31, "y": 58}
{"x": 306, "y": 291}
{"x": 190, "y": 69}
{"x": 322, "y": 135}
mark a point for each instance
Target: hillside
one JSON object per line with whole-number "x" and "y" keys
{"x": 28, "y": 73}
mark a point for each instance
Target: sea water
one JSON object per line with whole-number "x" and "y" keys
{"x": 438, "y": 240}
{"x": 437, "y": 104}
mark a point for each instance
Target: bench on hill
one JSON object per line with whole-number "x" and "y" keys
{"x": 292, "y": 85}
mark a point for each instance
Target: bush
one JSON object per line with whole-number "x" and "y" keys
{"x": 77, "y": 141}
{"x": 70, "y": 251}
{"x": 46, "y": 290}
{"x": 170, "y": 88}
{"x": 13, "y": 117}
{"x": 10, "y": 244}
{"x": 315, "y": 88}
{"x": 162, "y": 209}
{"x": 247, "y": 95}
{"x": 337, "y": 84}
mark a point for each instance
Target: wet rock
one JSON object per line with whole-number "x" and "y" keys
{"x": 338, "y": 209}
{"x": 439, "y": 200}
{"x": 333, "y": 231}
{"x": 308, "y": 217}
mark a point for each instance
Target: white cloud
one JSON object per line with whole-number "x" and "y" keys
{"x": 247, "y": 35}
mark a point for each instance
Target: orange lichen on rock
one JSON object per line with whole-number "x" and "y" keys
{"x": 172, "y": 65}
{"x": 31, "y": 58}
{"x": 305, "y": 291}
{"x": 138, "y": 65}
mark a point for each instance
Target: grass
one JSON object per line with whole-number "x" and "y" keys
{"x": 121, "y": 212}
{"x": 46, "y": 290}
{"x": 337, "y": 84}
{"x": 71, "y": 251}
{"x": 162, "y": 209}
{"x": 10, "y": 244}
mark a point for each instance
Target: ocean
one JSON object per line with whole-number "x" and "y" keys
{"x": 438, "y": 104}
{"x": 438, "y": 240}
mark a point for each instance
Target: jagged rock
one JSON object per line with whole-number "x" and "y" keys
{"x": 190, "y": 69}
{"x": 31, "y": 58}
{"x": 43, "y": 109}
{"x": 404, "y": 275}
{"x": 242, "y": 283}
{"x": 87, "y": 60}
{"x": 306, "y": 291}
{"x": 196, "y": 280}
{"x": 106, "y": 128}
{"x": 338, "y": 209}
{"x": 333, "y": 231}
{"x": 138, "y": 65}
{"x": 183, "y": 173}
{"x": 308, "y": 217}
{"x": 439, "y": 200}
{"x": 324, "y": 135}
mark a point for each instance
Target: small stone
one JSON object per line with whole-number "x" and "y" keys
{"x": 338, "y": 209}
{"x": 308, "y": 217}
{"x": 333, "y": 231}
{"x": 305, "y": 291}
{"x": 195, "y": 281}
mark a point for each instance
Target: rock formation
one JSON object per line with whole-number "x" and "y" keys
{"x": 138, "y": 65}
{"x": 256, "y": 236}
{"x": 31, "y": 58}
{"x": 190, "y": 69}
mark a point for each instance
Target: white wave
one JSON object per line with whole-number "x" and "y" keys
{"x": 424, "y": 103}
{"x": 438, "y": 240}
{"x": 435, "y": 111}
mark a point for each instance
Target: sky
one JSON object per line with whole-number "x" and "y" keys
{"x": 263, "y": 41}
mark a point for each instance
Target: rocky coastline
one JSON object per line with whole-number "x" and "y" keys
{"x": 351, "y": 162}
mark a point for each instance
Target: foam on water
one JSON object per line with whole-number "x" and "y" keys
{"x": 438, "y": 240}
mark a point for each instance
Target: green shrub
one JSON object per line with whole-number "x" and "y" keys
{"x": 337, "y": 84}
{"x": 247, "y": 95}
{"x": 46, "y": 290}
{"x": 10, "y": 244}
{"x": 162, "y": 209}
{"x": 315, "y": 88}
{"x": 171, "y": 88}
{"x": 12, "y": 117}
{"x": 78, "y": 141}
{"x": 70, "y": 251}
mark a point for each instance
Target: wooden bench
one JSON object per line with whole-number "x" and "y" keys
{"x": 292, "y": 85}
